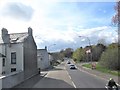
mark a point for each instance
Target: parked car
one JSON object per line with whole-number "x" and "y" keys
{"x": 72, "y": 66}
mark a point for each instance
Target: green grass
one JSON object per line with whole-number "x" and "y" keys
{"x": 102, "y": 69}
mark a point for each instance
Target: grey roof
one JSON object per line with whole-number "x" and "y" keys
{"x": 1, "y": 55}
{"x": 16, "y": 37}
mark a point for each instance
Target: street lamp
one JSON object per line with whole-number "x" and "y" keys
{"x": 88, "y": 51}
{"x": 50, "y": 46}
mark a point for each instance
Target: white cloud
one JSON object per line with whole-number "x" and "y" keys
{"x": 53, "y": 22}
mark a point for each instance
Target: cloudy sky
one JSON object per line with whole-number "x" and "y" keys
{"x": 60, "y": 22}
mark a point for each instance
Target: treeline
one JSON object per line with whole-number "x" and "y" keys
{"x": 106, "y": 56}
{"x": 89, "y": 53}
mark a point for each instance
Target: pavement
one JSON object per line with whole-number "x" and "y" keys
{"x": 29, "y": 83}
{"x": 56, "y": 78}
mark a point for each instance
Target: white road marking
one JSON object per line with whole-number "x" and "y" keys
{"x": 71, "y": 79}
{"x": 74, "y": 84}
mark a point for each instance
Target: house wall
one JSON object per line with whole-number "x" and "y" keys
{"x": 43, "y": 58}
{"x": 2, "y": 51}
{"x": 0, "y": 72}
{"x": 6, "y": 50}
{"x": 50, "y": 58}
{"x": 30, "y": 57}
{"x": 18, "y": 48}
{"x": 0, "y": 65}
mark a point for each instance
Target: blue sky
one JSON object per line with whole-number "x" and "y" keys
{"x": 59, "y": 22}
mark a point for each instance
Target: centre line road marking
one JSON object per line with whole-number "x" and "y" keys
{"x": 71, "y": 79}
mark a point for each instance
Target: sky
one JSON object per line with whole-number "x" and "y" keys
{"x": 58, "y": 24}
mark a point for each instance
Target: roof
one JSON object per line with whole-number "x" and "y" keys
{"x": 16, "y": 37}
{"x": 1, "y": 55}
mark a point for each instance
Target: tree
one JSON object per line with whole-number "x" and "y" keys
{"x": 97, "y": 51}
{"x": 116, "y": 17}
{"x": 109, "y": 58}
{"x": 102, "y": 41}
{"x": 79, "y": 54}
{"x": 68, "y": 52}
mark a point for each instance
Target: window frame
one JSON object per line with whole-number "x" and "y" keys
{"x": 13, "y": 69}
{"x": 13, "y": 57}
{"x": 3, "y": 62}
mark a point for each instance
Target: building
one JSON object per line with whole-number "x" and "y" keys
{"x": 51, "y": 59}
{"x": 43, "y": 58}
{"x": 2, "y": 63}
{"x": 21, "y": 52}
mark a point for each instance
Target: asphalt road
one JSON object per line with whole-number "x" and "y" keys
{"x": 83, "y": 79}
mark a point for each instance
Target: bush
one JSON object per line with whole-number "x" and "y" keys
{"x": 109, "y": 59}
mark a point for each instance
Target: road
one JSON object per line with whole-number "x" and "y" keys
{"x": 62, "y": 77}
{"x": 83, "y": 79}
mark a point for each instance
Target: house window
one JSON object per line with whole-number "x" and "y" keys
{"x": 3, "y": 61}
{"x": 13, "y": 69}
{"x": 41, "y": 59}
{"x": 13, "y": 58}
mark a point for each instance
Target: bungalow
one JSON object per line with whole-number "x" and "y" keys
{"x": 43, "y": 58}
{"x": 21, "y": 52}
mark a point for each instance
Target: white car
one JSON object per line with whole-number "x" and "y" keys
{"x": 72, "y": 66}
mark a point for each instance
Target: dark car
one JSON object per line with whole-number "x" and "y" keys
{"x": 68, "y": 62}
{"x": 72, "y": 67}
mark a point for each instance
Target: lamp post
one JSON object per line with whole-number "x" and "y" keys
{"x": 88, "y": 51}
{"x": 50, "y": 46}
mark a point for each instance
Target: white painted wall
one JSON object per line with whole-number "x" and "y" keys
{"x": 0, "y": 65}
{"x": 6, "y": 50}
{"x": 50, "y": 57}
{"x": 18, "y": 48}
{"x": 0, "y": 72}
{"x": 44, "y": 62}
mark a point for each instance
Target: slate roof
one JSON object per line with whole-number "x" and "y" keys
{"x": 16, "y": 37}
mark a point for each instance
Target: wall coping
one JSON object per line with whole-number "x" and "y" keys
{"x": 7, "y": 75}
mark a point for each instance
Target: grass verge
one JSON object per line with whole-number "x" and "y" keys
{"x": 102, "y": 69}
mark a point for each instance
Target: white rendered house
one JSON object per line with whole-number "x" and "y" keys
{"x": 21, "y": 52}
{"x": 43, "y": 58}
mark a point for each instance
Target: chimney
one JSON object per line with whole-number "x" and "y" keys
{"x": 4, "y": 32}
{"x": 30, "y": 31}
{"x": 45, "y": 47}
{"x": 5, "y": 35}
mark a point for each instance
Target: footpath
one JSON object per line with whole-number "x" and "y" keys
{"x": 29, "y": 83}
